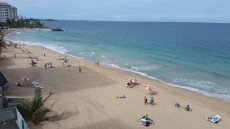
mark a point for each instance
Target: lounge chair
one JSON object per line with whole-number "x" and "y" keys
{"x": 215, "y": 119}
{"x": 18, "y": 84}
{"x": 33, "y": 57}
{"x": 150, "y": 92}
{"x": 130, "y": 86}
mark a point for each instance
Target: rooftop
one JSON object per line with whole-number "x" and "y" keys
{"x": 3, "y": 80}
{"x": 3, "y": 3}
{"x": 11, "y": 125}
{"x": 12, "y": 7}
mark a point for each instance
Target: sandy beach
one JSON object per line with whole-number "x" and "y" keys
{"x": 88, "y": 99}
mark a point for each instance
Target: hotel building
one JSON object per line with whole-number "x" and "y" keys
{"x": 7, "y": 12}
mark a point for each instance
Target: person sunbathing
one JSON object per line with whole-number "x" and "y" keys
{"x": 210, "y": 117}
{"x": 177, "y": 105}
{"x": 144, "y": 119}
{"x": 121, "y": 97}
{"x": 18, "y": 84}
{"x": 148, "y": 123}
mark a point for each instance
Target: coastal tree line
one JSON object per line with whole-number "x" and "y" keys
{"x": 22, "y": 23}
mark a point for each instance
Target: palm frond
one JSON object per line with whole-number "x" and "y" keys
{"x": 47, "y": 97}
{"x": 35, "y": 110}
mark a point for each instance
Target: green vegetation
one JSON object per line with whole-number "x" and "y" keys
{"x": 28, "y": 23}
{"x": 2, "y": 42}
{"x": 50, "y": 20}
{"x": 33, "y": 110}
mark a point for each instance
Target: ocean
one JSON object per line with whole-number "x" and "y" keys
{"x": 193, "y": 56}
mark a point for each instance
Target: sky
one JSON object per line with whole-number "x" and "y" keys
{"x": 126, "y": 10}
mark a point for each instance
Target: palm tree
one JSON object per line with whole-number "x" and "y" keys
{"x": 34, "y": 110}
{"x": 2, "y": 42}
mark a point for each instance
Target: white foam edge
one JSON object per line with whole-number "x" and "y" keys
{"x": 225, "y": 98}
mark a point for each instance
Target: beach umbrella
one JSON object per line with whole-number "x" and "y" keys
{"x": 133, "y": 80}
{"x": 25, "y": 79}
{"x": 149, "y": 89}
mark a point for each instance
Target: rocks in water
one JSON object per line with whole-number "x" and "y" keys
{"x": 57, "y": 29}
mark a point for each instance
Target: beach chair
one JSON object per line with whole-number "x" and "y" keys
{"x": 16, "y": 83}
{"x": 215, "y": 119}
{"x": 150, "y": 92}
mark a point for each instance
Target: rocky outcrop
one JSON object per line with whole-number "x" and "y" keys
{"x": 57, "y": 29}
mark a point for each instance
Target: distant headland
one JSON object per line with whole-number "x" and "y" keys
{"x": 48, "y": 20}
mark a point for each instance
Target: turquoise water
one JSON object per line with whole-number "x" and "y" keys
{"x": 194, "y": 56}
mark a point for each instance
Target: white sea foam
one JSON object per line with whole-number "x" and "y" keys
{"x": 52, "y": 47}
{"x": 145, "y": 68}
{"x": 223, "y": 97}
{"x": 18, "y": 32}
{"x": 102, "y": 56}
{"x": 135, "y": 69}
{"x": 197, "y": 83}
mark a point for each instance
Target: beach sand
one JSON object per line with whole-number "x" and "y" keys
{"x": 88, "y": 100}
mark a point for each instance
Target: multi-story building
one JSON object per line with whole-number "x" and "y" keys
{"x": 4, "y": 11}
{"x": 7, "y": 12}
{"x": 13, "y": 13}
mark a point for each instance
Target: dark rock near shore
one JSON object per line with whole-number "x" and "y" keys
{"x": 57, "y": 29}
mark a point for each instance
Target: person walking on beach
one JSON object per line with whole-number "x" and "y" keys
{"x": 44, "y": 54}
{"x": 79, "y": 69}
{"x": 45, "y": 65}
{"x": 98, "y": 63}
{"x": 14, "y": 55}
{"x": 145, "y": 100}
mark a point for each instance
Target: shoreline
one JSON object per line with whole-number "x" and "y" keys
{"x": 177, "y": 89}
{"x": 88, "y": 99}
{"x": 205, "y": 93}
{"x": 195, "y": 90}
{"x": 173, "y": 89}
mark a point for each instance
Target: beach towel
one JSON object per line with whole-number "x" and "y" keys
{"x": 214, "y": 119}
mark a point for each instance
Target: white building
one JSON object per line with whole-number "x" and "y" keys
{"x": 13, "y": 13}
{"x": 22, "y": 17}
{"x": 4, "y": 11}
{"x": 7, "y": 12}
